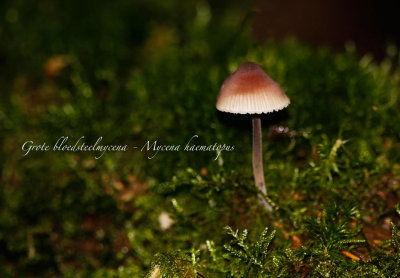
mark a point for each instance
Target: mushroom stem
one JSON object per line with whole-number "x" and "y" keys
{"x": 258, "y": 169}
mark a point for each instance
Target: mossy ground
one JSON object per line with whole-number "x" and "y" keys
{"x": 133, "y": 72}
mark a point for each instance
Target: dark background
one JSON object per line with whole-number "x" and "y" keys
{"x": 371, "y": 24}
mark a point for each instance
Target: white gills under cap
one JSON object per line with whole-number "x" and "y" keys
{"x": 249, "y": 90}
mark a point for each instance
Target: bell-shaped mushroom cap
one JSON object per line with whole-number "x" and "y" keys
{"x": 249, "y": 90}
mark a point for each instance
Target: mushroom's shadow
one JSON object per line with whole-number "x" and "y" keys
{"x": 243, "y": 121}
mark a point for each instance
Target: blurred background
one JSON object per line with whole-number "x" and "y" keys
{"x": 368, "y": 25}
{"x": 110, "y": 29}
{"x": 135, "y": 70}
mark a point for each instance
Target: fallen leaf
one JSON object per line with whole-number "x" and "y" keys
{"x": 55, "y": 64}
{"x": 296, "y": 241}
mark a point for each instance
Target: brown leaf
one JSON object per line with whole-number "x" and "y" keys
{"x": 54, "y": 65}
{"x": 132, "y": 189}
{"x": 296, "y": 241}
{"x": 204, "y": 171}
{"x": 376, "y": 234}
{"x": 307, "y": 271}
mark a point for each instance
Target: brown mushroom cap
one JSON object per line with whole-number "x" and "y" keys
{"x": 249, "y": 90}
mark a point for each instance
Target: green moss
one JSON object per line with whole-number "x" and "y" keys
{"x": 331, "y": 173}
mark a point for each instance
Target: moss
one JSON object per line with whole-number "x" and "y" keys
{"x": 331, "y": 158}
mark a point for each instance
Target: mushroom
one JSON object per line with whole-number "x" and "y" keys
{"x": 249, "y": 90}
